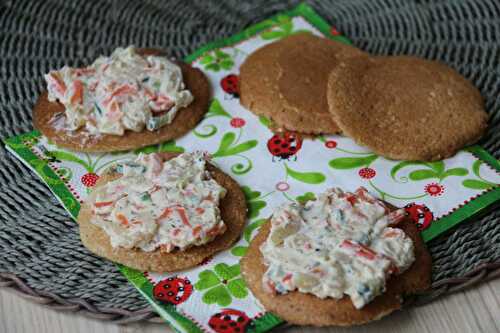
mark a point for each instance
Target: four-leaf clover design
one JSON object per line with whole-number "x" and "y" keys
{"x": 217, "y": 60}
{"x": 221, "y": 284}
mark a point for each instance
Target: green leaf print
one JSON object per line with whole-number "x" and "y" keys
{"x": 308, "y": 196}
{"x": 165, "y": 147}
{"x": 239, "y": 251}
{"x": 217, "y": 60}
{"x": 306, "y": 177}
{"x": 216, "y": 109}
{"x": 343, "y": 163}
{"x": 266, "y": 121}
{"x": 475, "y": 167}
{"x": 480, "y": 183}
{"x": 459, "y": 172}
{"x": 221, "y": 284}
{"x": 438, "y": 166}
{"x": 254, "y": 203}
{"x": 226, "y": 147}
{"x": 247, "y": 234}
{"x": 240, "y": 168}
{"x": 400, "y": 166}
{"x": 170, "y": 147}
{"x": 475, "y": 184}
{"x": 422, "y": 174}
{"x": 434, "y": 170}
{"x": 210, "y": 130}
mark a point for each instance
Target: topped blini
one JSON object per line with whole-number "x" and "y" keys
{"x": 154, "y": 212}
{"x": 342, "y": 259}
{"x": 133, "y": 98}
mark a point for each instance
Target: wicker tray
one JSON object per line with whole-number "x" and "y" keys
{"x": 40, "y": 252}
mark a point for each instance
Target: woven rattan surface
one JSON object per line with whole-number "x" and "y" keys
{"x": 40, "y": 252}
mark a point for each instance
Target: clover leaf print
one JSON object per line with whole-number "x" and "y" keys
{"x": 221, "y": 284}
{"x": 308, "y": 196}
{"x": 479, "y": 183}
{"x": 229, "y": 146}
{"x": 217, "y": 60}
{"x": 283, "y": 27}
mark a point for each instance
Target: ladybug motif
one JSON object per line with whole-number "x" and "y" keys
{"x": 284, "y": 145}
{"x": 420, "y": 214}
{"x": 229, "y": 321}
{"x": 230, "y": 85}
{"x": 174, "y": 290}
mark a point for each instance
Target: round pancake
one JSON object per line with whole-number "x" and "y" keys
{"x": 233, "y": 212}
{"x": 303, "y": 77}
{"x": 306, "y": 309}
{"x": 45, "y": 112}
{"x": 266, "y": 90}
{"x": 406, "y": 108}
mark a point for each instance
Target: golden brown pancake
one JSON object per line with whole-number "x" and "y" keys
{"x": 233, "y": 212}
{"x": 45, "y": 113}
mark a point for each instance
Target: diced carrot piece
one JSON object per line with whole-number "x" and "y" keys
{"x": 396, "y": 216}
{"x": 84, "y": 71}
{"x": 360, "y": 250}
{"x": 197, "y": 230}
{"x": 199, "y": 210}
{"x": 77, "y": 97}
{"x": 103, "y": 204}
{"x": 122, "y": 219}
{"x": 271, "y": 286}
{"x": 58, "y": 82}
{"x": 150, "y": 94}
{"x": 392, "y": 233}
{"x": 182, "y": 214}
{"x": 166, "y": 213}
{"x": 352, "y": 199}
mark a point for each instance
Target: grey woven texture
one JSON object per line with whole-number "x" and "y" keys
{"x": 40, "y": 251}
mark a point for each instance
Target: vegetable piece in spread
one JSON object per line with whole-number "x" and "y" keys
{"x": 125, "y": 91}
{"x": 339, "y": 244}
{"x": 155, "y": 204}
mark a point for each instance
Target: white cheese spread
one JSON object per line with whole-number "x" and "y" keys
{"x": 340, "y": 243}
{"x": 155, "y": 204}
{"x": 125, "y": 91}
